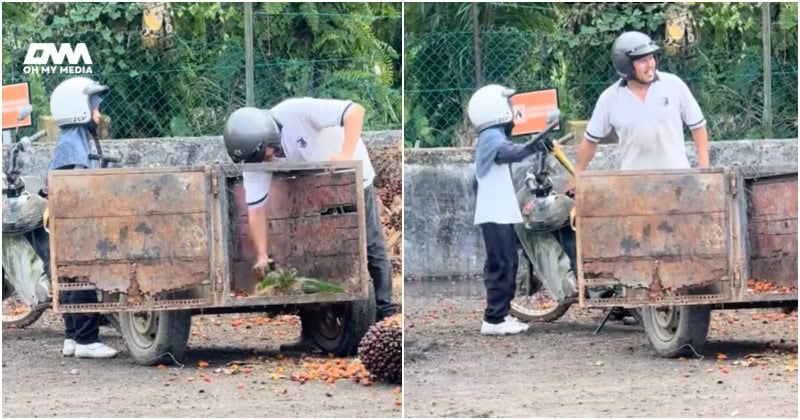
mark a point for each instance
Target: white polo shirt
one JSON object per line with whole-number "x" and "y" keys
{"x": 311, "y": 130}
{"x": 650, "y": 132}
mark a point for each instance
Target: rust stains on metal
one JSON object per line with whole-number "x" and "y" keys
{"x": 663, "y": 234}
{"x": 150, "y": 277}
{"x": 134, "y": 292}
{"x": 665, "y": 227}
{"x": 143, "y": 228}
{"x": 655, "y": 287}
{"x": 772, "y": 214}
{"x": 105, "y": 247}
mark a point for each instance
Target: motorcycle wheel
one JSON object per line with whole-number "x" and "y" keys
{"x": 16, "y": 314}
{"x": 532, "y": 302}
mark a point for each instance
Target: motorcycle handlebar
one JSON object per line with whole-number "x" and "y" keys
{"x": 101, "y": 158}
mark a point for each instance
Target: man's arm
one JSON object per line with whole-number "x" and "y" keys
{"x": 257, "y": 221}
{"x": 693, "y": 117}
{"x": 256, "y": 187}
{"x": 586, "y": 151}
{"x": 598, "y": 127}
{"x": 353, "y": 124}
{"x": 700, "y": 137}
{"x": 328, "y": 113}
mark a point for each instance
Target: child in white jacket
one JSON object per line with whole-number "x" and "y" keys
{"x": 496, "y": 208}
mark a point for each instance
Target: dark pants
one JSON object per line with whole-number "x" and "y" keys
{"x": 380, "y": 269}
{"x": 81, "y": 327}
{"x": 500, "y": 270}
{"x": 566, "y": 237}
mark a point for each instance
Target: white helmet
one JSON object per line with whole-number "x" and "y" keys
{"x": 490, "y": 106}
{"x": 71, "y": 101}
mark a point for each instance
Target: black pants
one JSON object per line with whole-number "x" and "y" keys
{"x": 566, "y": 237}
{"x": 81, "y": 327}
{"x": 500, "y": 270}
{"x": 380, "y": 269}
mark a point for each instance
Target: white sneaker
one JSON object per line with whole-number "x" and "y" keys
{"x": 69, "y": 348}
{"x": 504, "y": 328}
{"x": 516, "y": 320}
{"x": 94, "y": 351}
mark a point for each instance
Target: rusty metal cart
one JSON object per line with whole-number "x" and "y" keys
{"x": 678, "y": 244}
{"x": 162, "y": 244}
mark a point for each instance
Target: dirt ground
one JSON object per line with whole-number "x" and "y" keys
{"x": 562, "y": 370}
{"x": 38, "y": 382}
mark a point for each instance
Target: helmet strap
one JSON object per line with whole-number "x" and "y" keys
{"x": 91, "y": 126}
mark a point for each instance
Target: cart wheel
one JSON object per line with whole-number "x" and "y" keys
{"x": 338, "y": 328}
{"x": 151, "y": 336}
{"x": 676, "y": 330}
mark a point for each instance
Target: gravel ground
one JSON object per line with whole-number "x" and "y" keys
{"x": 561, "y": 369}
{"x": 38, "y": 382}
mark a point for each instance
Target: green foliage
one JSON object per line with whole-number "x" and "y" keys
{"x": 286, "y": 281}
{"x": 190, "y": 84}
{"x": 567, "y": 46}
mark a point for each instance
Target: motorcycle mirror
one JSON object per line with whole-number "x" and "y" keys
{"x": 24, "y": 112}
{"x": 553, "y": 116}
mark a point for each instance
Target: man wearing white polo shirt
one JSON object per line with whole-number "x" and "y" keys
{"x": 648, "y": 109}
{"x": 300, "y": 130}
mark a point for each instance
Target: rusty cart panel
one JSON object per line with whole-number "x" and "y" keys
{"x": 315, "y": 223}
{"x": 660, "y": 237}
{"x": 137, "y": 235}
{"x": 772, "y": 245}
{"x": 177, "y": 238}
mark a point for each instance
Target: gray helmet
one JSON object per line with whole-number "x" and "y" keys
{"x": 628, "y": 47}
{"x": 248, "y": 131}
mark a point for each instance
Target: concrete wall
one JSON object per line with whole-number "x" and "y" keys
{"x": 440, "y": 239}
{"x": 173, "y": 151}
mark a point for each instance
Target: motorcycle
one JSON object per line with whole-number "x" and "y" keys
{"x": 26, "y": 280}
{"x": 547, "y": 281}
{"x": 26, "y": 285}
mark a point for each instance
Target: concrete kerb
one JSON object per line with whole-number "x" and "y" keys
{"x": 170, "y": 151}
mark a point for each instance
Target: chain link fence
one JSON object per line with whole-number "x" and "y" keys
{"x": 186, "y": 82}
{"x": 727, "y": 80}
{"x": 328, "y": 67}
{"x": 165, "y": 94}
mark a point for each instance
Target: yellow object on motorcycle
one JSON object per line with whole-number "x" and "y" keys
{"x": 572, "y": 218}
{"x": 46, "y": 219}
{"x": 558, "y": 152}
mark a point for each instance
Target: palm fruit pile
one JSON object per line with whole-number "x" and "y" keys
{"x": 381, "y": 349}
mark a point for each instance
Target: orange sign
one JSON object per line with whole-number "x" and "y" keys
{"x": 15, "y": 97}
{"x": 531, "y": 109}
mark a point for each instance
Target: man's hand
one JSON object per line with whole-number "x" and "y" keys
{"x": 262, "y": 266}
{"x": 570, "y": 188}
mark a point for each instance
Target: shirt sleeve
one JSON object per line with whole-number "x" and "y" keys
{"x": 509, "y": 152}
{"x": 256, "y": 187}
{"x": 599, "y": 126}
{"x": 325, "y": 113}
{"x": 691, "y": 113}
